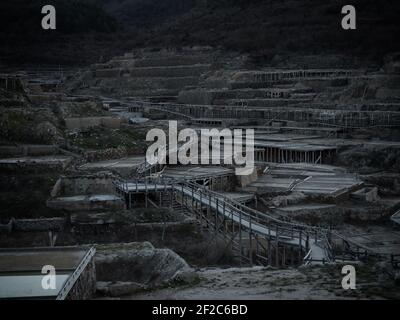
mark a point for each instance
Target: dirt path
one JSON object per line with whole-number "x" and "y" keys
{"x": 262, "y": 283}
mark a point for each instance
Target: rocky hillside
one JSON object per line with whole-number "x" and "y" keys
{"x": 272, "y": 27}
{"x": 103, "y": 28}
{"x": 140, "y": 13}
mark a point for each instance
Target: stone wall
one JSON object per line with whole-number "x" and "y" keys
{"x": 34, "y": 164}
{"x": 157, "y": 83}
{"x": 31, "y": 225}
{"x": 101, "y": 183}
{"x": 108, "y": 73}
{"x": 6, "y": 228}
{"x": 86, "y": 123}
{"x": 106, "y": 154}
{"x": 87, "y": 203}
{"x": 196, "y": 96}
{"x": 175, "y": 71}
{"x": 183, "y": 237}
{"x": 46, "y": 98}
{"x": 86, "y": 192}
{"x": 172, "y": 61}
{"x": 28, "y": 150}
{"x": 209, "y": 97}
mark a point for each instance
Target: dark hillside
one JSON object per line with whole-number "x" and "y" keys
{"x": 139, "y": 13}
{"x": 78, "y": 21}
{"x": 90, "y": 30}
{"x": 291, "y": 25}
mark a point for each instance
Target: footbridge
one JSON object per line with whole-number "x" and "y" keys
{"x": 258, "y": 238}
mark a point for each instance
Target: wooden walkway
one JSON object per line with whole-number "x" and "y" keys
{"x": 256, "y": 232}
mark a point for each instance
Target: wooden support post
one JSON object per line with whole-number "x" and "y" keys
{"x": 257, "y": 245}
{"x": 209, "y": 206}
{"x": 201, "y": 210}
{"x": 250, "y": 242}
{"x": 300, "y": 245}
{"x": 269, "y": 247}
{"x": 216, "y": 216}
{"x": 291, "y": 256}
{"x": 240, "y": 235}
{"x": 277, "y": 247}
{"x": 183, "y": 197}
{"x": 232, "y": 223}
{"x": 164, "y": 227}
{"x": 223, "y": 213}
{"x": 284, "y": 256}
{"x": 192, "y": 200}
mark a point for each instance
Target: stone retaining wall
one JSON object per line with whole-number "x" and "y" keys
{"x": 172, "y": 61}
{"x": 28, "y": 150}
{"x": 29, "y": 225}
{"x": 86, "y": 123}
{"x": 175, "y": 71}
{"x": 33, "y": 225}
{"x": 106, "y": 154}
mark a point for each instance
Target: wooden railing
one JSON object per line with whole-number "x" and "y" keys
{"x": 255, "y": 222}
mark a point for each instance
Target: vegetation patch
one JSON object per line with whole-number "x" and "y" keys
{"x": 102, "y": 138}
